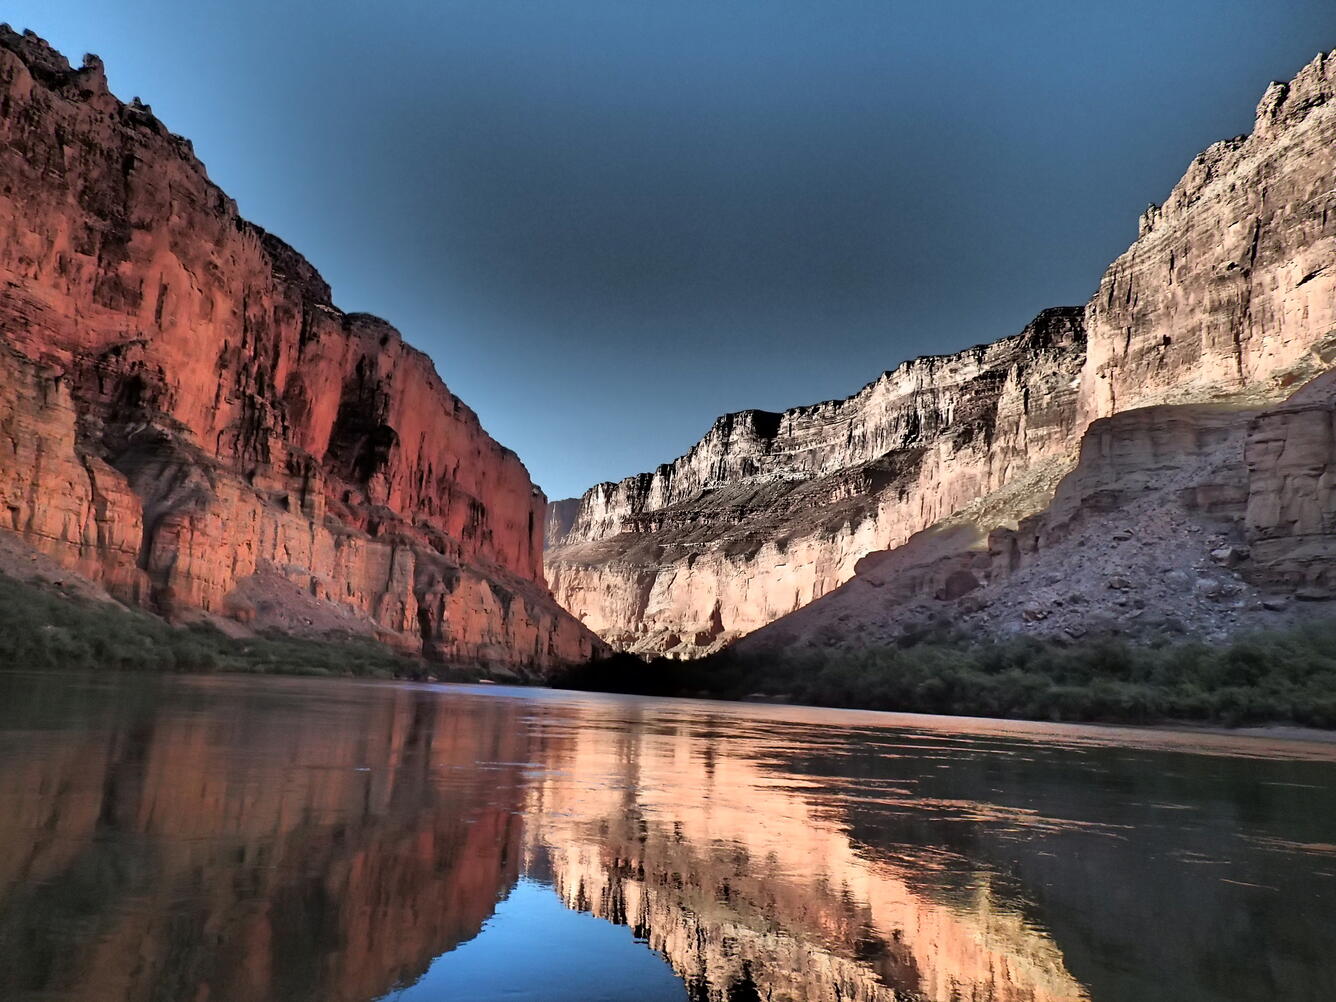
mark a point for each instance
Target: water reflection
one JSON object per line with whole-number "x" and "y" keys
{"x": 233, "y": 840}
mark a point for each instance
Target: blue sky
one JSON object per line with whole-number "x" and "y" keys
{"x": 610, "y": 221}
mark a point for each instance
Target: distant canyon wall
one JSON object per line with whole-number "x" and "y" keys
{"x": 1202, "y": 520}
{"x": 770, "y": 511}
{"x": 1228, "y": 294}
{"x": 183, "y": 407}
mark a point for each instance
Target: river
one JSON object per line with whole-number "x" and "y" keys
{"x": 230, "y": 839}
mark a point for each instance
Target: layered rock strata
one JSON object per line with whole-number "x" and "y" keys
{"x": 1227, "y": 296}
{"x": 184, "y": 407}
{"x": 1200, "y": 519}
{"x": 770, "y": 511}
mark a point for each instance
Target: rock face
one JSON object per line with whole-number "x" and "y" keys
{"x": 1227, "y": 296}
{"x": 1231, "y": 287}
{"x": 1201, "y": 519}
{"x": 1291, "y": 501}
{"x": 561, "y": 516}
{"x": 770, "y": 511}
{"x": 184, "y": 407}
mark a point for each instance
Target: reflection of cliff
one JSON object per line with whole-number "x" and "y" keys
{"x": 223, "y": 841}
{"x": 747, "y": 885}
{"x": 160, "y": 864}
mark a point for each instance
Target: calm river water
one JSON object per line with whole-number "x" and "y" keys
{"x": 233, "y": 839}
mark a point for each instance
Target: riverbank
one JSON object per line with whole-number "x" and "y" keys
{"x": 1278, "y": 678}
{"x": 1270, "y": 681}
{"x": 52, "y": 624}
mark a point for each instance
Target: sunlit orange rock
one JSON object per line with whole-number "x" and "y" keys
{"x": 185, "y": 406}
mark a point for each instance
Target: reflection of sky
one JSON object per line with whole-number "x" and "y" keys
{"x": 533, "y": 947}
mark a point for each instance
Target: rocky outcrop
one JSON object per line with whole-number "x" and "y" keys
{"x": 1200, "y": 519}
{"x": 1291, "y": 499}
{"x": 183, "y": 407}
{"x": 770, "y": 511}
{"x": 1230, "y": 289}
{"x": 1228, "y": 296}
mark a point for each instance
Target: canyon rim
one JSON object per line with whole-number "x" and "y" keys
{"x": 932, "y": 692}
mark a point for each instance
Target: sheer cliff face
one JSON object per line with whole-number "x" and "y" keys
{"x": 185, "y": 407}
{"x": 1290, "y": 514}
{"x": 1229, "y": 294}
{"x": 1231, "y": 287}
{"x": 770, "y": 511}
{"x": 1200, "y": 518}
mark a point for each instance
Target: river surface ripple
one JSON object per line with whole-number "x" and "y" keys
{"x": 228, "y": 839}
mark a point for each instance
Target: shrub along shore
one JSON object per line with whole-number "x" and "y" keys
{"x": 1273, "y": 677}
{"x": 43, "y": 627}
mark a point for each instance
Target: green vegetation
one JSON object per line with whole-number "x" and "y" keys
{"x": 42, "y": 627}
{"x": 1282, "y": 676}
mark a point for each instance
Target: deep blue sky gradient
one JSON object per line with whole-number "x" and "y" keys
{"x": 610, "y": 220}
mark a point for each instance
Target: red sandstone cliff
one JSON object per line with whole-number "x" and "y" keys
{"x": 184, "y": 410}
{"x": 1228, "y": 296}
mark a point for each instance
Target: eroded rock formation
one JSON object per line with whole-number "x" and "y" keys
{"x": 184, "y": 408}
{"x": 1201, "y": 519}
{"x": 1230, "y": 289}
{"x": 770, "y": 511}
{"x": 1228, "y": 297}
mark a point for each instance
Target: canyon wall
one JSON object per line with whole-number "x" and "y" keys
{"x": 186, "y": 412}
{"x": 770, "y": 511}
{"x": 1230, "y": 289}
{"x": 1203, "y": 519}
{"x": 1227, "y": 296}
{"x": 1290, "y": 513}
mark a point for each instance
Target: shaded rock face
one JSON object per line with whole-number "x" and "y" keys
{"x": 1291, "y": 499}
{"x": 561, "y": 516}
{"x": 1228, "y": 295}
{"x": 183, "y": 406}
{"x": 1196, "y": 519}
{"x": 770, "y": 511}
